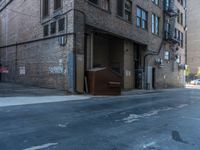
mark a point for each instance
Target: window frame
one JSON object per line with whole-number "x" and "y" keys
{"x": 155, "y": 24}
{"x": 51, "y": 33}
{"x": 156, "y": 2}
{"x": 124, "y": 10}
{"x": 167, "y": 55}
{"x": 45, "y": 8}
{"x": 141, "y": 19}
{"x": 58, "y": 8}
{"x": 44, "y": 31}
{"x": 99, "y": 4}
{"x": 63, "y": 24}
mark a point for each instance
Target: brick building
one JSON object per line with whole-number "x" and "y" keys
{"x": 193, "y": 53}
{"x": 52, "y": 43}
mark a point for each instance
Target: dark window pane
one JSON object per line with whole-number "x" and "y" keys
{"x": 53, "y": 27}
{"x": 57, "y": 4}
{"x": 120, "y": 5}
{"x": 94, "y": 1}
{"x": 46, "y": 30}
{"x": 45, "y": 8}
{"x": 61, "y": 24}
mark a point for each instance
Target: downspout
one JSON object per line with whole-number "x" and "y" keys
{"x": 6, "y": 5}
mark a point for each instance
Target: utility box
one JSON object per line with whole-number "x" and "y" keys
{"x": 104, "y": 81}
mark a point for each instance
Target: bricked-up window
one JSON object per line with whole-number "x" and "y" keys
{"x": 46, "y": 30}
{"x": 53, "y": 27}
{"x": 61, "y": 24}
{"x": 104, "y": 4}
{"x": 155, "y": 23}
{"x": 57, "y": 4}
{"x": 45, "y": 8}
{"x": 124, "y": 9}
{"x": 142, "y": 18}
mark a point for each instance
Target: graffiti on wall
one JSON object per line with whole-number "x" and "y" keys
{"x": 56, "y": 70}
{"x": 3, "y": 69}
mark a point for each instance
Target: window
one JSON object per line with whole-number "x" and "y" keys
{"x": 155, "y": 24}
{"x": 181, "y": 2}
{"x": 120, "y": 7}
{"x": 104, "y": 4}
{"x": 61, "y": 24}
{"x": 181, "y": 21}
{"x": 167, "y": 3}
{"x": 168, "y": 27}
{"x": 94, "y": 1}
{"x": 156, "y": 2}
{"x": 45, "y": 8}
{"x": 167, "y": 55}
{"x": 53, "y": 27}
{"x": 182, "y": 37}
{"x": 178, "y": 16}
{"x": 46, "y": 30}
{"x": 124, "y": 9}
{"x": 57, "y": 4}
{"x": 178, "y": 59}
{"x": 128, "y": 10}
{"x": 142, "y": 18}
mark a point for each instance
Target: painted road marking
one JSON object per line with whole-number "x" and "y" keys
{"x": 41, "y": 146}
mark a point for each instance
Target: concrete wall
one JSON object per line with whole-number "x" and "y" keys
{"x": 128, "y": 65}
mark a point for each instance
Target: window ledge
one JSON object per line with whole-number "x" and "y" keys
{"x": 123, "y": 19}
{"x": 157, "y": 35}
{"x": 141, "y": 29}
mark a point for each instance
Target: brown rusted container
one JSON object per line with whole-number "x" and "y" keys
{"x": 104, "y": 81}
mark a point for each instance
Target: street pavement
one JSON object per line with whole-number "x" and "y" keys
{"x": 163, "y": 120}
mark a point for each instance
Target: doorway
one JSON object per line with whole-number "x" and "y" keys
{"x": 138, "y": 67}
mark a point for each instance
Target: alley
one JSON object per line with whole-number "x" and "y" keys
{"x": 156, "y": 121}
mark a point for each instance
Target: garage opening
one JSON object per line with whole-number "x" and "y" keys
{"x": 104, "y": 61}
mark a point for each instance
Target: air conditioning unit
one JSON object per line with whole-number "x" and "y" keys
{"x": 182, "y": 66}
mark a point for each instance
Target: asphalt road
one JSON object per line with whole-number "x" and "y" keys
{"x": 168, "y": 120}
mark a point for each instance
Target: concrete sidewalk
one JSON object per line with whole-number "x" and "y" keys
{"x": 16, "y": 101}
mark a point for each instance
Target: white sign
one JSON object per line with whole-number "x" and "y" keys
{"x": 22, "y": 70}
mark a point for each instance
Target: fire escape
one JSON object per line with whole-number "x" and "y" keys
{"x": 171, "y": 13}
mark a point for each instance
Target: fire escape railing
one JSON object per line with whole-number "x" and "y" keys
{"x": 171, "y": 13}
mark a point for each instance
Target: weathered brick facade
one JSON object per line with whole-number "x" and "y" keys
{"x": 193, "y": 53}
{"x": 90, "y": 32}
